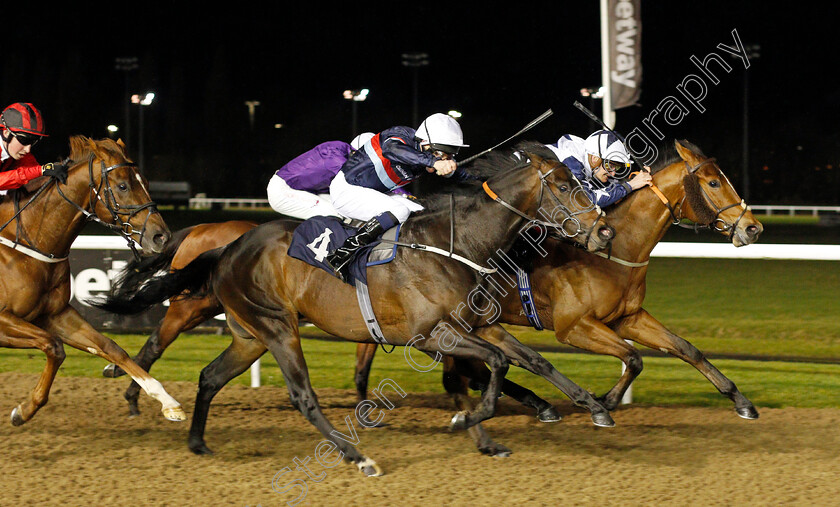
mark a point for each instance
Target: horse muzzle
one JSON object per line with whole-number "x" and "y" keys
{"x": 747, "y": 235}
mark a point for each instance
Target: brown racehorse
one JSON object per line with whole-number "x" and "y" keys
{"x": 263, "y": 291}
{"x": 39, "y": 227}
{"x": 183, "y": 313}
{"x": 595, "y": 303}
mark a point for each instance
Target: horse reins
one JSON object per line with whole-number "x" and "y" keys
{"x": 533, "y": 221}
{"x": 677, "y": 220}
{"x": 123, "y": 228}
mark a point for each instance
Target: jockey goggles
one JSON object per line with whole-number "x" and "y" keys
{"x": 447, "y": 149}
{"x": 614, "y": 166}
{"x": 25, "y": 139}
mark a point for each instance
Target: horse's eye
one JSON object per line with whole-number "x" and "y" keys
{"x": 564, "y": 188}
{"x": 714, "y": 183}
{"x": 122, "y": 187}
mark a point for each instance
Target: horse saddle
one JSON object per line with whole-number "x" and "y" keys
{"x": 317, "y": 237}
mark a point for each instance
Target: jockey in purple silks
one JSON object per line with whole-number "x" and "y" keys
{"x": 300, "y": 189}
{"x": 390, "y": 160}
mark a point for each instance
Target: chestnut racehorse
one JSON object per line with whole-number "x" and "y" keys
{"x": 595, "y": 303}
{"x": 263, "y": 291}
{"x": 39, "y": 226}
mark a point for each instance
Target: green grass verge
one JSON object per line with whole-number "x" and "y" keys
{"x": 665, "y": 381}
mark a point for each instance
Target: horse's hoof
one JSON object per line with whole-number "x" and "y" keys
{"x": 17, "y": 418}
{"x": 549, "y": 415}
{"x": 369, "y": 467}
{"x": 458, "y": 422}
{"x": 747, "y": 412}
{"x": 174, "y": 414}
{"x": 133, "y": 410}
{"x": 200, "y": 448}
{"x": 112, "y": 371}
{"x": 602, "y": 419}
{"x": 496, "y": 450}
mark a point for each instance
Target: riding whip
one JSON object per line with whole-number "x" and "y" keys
{"x": 600, "y": 122}
{"x": 536, "y": 121}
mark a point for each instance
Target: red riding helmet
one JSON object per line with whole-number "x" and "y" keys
{"x": 23, "y": 118}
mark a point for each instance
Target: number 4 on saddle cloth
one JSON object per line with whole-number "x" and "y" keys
{"x": 319, "y": 236}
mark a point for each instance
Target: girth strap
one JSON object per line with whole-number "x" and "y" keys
{"x": 369, "y": 317}
{"x": 523, "y": 280}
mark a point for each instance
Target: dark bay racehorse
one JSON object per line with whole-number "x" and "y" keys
{"x": 595, "y": 303}
{"x": 39, "y": 227}
{"x": 263, "y": 291}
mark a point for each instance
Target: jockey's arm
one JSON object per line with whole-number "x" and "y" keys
{"x": 23, "y": 171}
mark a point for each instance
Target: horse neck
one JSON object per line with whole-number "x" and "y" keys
{"x": 642, "y": 219}
{"x": 50, "y": 222}
{"x": 483, "y": 226}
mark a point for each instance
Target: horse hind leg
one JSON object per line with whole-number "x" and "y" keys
{"x": 479, "y": 376}
{"x": 280, "y": 335}
{"x": 232, "y": 362}
{"x": 456, "y": 385}
{"x": 364, "y": 360}
{"x": 22, "y": 335}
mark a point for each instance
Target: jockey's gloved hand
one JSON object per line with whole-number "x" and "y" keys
{"x": 55, "y": 170}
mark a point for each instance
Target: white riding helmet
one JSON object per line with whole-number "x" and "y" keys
{"x": 442, "y": 132}
{"x": 607, "y": 145}
{"x": 360, "y": 140}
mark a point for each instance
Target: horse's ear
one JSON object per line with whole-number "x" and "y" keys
{"x": 121, "y": 144}
{"x": 685, "y": 153}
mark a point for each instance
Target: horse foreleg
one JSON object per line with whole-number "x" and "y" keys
{"x": 76, "y": 332}
{"x": 18, "y": 334}
{"x": 280, "y": 335}
{"x": 456, "y": 385}
{"x": 479, "y": 376}
{"x": 525, "y": 358}
{"x": 364, "y": 360}
{"x": 592, "y": 335}
{"x": 642, "y": 328}
{"x": 231, "y": 363}
{"x": 182, "y": 315}
{"x": 471, "y": 347}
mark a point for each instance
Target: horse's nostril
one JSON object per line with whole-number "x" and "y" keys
{"x": 606, "y": 232}
{"x": 160, "y": 239}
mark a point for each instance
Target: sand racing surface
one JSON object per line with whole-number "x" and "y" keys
{"x": 82, "y": 449}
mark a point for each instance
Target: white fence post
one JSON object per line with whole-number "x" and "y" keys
{"x": 255, "y": 373}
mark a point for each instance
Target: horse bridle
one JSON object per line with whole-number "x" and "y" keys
{"x": 571, "y": 218}
{"x": 119, "y": 225}
{"x": 717, "y": 223}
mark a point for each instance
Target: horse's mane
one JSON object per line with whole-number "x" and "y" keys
{"x": 80, "y": 148}
{"x": 484, "y": 168}
{"x": 668, "y": 155}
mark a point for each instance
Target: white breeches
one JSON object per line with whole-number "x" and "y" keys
{"x": 297, "y": 203}
{"x": 363, "y": 203}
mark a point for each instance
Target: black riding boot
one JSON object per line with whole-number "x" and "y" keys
{"x": 367, "y": 233}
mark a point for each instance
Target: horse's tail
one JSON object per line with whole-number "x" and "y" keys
{"x": 194, "y": 281}
{"x": 139, "y": 270}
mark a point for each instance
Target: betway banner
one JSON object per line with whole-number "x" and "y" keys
{"x": 94, "y": 263}
{"x": 624, "y": 38}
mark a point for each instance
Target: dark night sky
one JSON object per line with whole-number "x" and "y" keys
{"x": 500, "y": 66}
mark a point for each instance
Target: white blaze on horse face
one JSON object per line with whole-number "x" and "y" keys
{"x": 139, "y": 179}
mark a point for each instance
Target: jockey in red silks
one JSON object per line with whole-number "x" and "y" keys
{"x": 388, "y": 161}
{"x": 21, "y": 127}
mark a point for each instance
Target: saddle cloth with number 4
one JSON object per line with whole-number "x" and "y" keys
{"x": 317, "y": 237}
